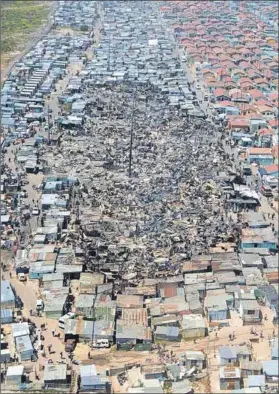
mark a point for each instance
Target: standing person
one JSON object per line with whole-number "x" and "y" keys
{"x": 53, "y": 332}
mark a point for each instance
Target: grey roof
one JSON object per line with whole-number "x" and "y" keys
{"x": 271, "y": 367}
{"x": 194, "y": 355}
{"x": 192, "y": 321}
{"x": 174, "y": 370}
{"x": 275, "y": 351}
{"x": 7, "y": 294}
{"x": 182, "y": 387}
{"x": 271, "y": 261}
{"x": 6, "y": 313}
{"x": 88, "y": 370}
{"x": 85, "y": 301}
{"x": 54, "y": 372}
{"x": 132, "y": 331}
{"x": 250, "y": 304}
{"x": 19, "y": 329}
{"x": 169, "y": 331}
{"x": 227, "y": 352}
{"x": 23, "y": 344}
{"x": 16, "y": 370}
{"x": 250, "y": 259}
{"x": 260, "y": 251}
{"x": 51, "y": 277}
{"x": 216, "y": 302}
{"x": 256, "y": 380}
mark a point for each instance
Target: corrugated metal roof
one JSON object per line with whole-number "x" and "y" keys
{"x": 6, "y": 313}
{"x": 229, "y": 372}
{"x": 192, "y": 321}
{"x": 19, "y": 329}
{"x": 88, "y": 370}
{"x": 271, "y": 367}
{"x": 7, "y": 294}
{"x": 168, "y": 331}
{"x": 129, "y": 301}
{"x": 135, "y": 315}
{"x": 54, "y": 372}
{"x": 227, "y": 352}
{"x": 16, "y": 370}
{"x": 23, "y": 343}
{"x": 256, "y": 380}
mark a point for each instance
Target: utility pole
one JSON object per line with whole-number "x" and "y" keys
{"x": 132, "y": 133}
{"x": 109, "y": 56}
{"x": 48, "y": 129}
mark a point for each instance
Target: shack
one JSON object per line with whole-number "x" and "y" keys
{"x": 250, "y": 312}
{"x": 230, "y": 378}
{"x": 15, "y": 375}
{"x": 7, "y": 296}
{"x": 24, "y": 347}
{"x": 55, "y": 375}
{"x": 194, "y": 359}
{"x": 90, "y": 381}
{"x": 169, "y": 333}
{"x": 6, "y": 316}
{"x": 193, "y": 326}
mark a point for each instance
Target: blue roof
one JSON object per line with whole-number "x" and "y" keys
{"x": 6, "y": 313}
{"x": 271, "y": 367}
{"x": 7, "y": 121}
{"x": 169, "y": 331}
{"x": 92, "y": 381}
{"x": 24, "y": 344}
{"x": 88, "y": 370}
{"x": 275, "y": 351}
{"x": 227, "y": 352}
{"x": 256, "y": 380}
{"x": 7, "y": 294}
{"x": 262, "y": 171}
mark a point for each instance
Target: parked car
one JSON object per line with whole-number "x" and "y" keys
{"x": 101, "y": 343}
{"x": 21, "y": 277}
{"x": 36, "y": 211}
{"x": 39, "y": 305}
{"x": 266, "y": 191}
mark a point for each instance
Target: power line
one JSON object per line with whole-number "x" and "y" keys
{"x": 132, "y": 133}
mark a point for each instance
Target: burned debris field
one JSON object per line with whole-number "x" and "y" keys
{"x": 170, "y": 207}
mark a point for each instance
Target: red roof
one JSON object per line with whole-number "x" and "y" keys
{"x": 275, "y": 151}
{"x": 271, "y": 168}
{"x": 265, "y": 108}
{"x": 239, "y": 123}
{"x": 273, "y": 96}
{"x": 225, "y": 103}
{"x": 263, "y": 101}
{"x": 266, "y": 131}
{"x": 259, "y": 151}
{"x": 221, "y": 92}
{"x": 255, "y": 93}
{"x": 273, "y": 123}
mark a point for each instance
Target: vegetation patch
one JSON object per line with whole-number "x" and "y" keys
{"x": 19, "y": 19}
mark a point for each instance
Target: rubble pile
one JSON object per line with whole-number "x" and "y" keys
{"x": 169, "y": 208}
